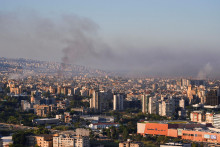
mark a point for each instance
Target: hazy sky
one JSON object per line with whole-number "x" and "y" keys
{"x": 162, "y": 37}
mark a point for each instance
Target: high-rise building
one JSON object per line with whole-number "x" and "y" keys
{"x": 213, "y": 97}
{"x": 182, "y": 103}
{"x": 118, "y": 102}
{"x": 145, "y": 103}
{"x": 185, "y": 82}
{"x": 154, "y": 87}
{"x": 153, "y": 106}
{"x": 166, "y": 108}
{"x": 99, "y": 101}
{"x": 95, "y": 100}
{"x": 52, "y": 89}
{"x": 189, "y": 93}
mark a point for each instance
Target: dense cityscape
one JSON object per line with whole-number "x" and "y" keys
{"x": 44, "y": 108}
{"x": 119, "y": 73}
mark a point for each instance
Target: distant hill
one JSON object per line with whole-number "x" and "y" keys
{"x": 25, "y": 67}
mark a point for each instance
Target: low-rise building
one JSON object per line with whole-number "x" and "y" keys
{"x": 68, "y": 119}
{"x": 25, "y": 105}
{"x": 184, "y": 130}
{"x": 45, "y": 121}
{"x": 60, "y": 117}
{"x": 82, "y": 132}
{"x": 96, "y": 118}
{"x": 68, "y": 140}
{"x": 40, "y": 140}
{"x": 131, "y": 144}
{"x": 102, "y": 125}
{"x": 6, "y": 141}
{"x": 216, "y": 121}
{"x": 42, "y": 110}
{"x": 172, "y": 144}
{"x": 197, "y": 116}
{"x": 202, "y": 117}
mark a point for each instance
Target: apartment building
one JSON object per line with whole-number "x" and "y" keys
{"x": 68, "y": 140}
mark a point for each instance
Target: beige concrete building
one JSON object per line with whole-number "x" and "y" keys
{"x": 41, "y": 140}
{"x": 42, "y": 110}
{"x": 95, "y": 101}
{"x": 82, "y": 132}
{"x": 68, "y": 140}
{"x": 197, "y": 116}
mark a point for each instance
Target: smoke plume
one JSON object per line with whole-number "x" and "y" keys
{"x": 205, "y": 72}
{"x": 71, "y": 39}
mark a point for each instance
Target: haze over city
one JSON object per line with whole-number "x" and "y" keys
{"x": 163, "y": 38}
{"x": 113, "y": 73}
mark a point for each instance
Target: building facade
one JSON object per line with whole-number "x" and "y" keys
{"x": 68, "y": 140}
{"x": 183, "y": 130}
{"x": 118, "y": 102}
{"x": 145, "y": 103}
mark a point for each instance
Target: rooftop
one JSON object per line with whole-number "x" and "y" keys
{"x": 167, "y": 122}
{"x": 46, "y": 119}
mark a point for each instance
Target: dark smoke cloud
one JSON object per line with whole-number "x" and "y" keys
{"x": 76, "y": 40}
{"x": 83, "y": 41}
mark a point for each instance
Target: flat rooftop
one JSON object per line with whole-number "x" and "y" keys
{"x": 46, "y": 119}
{"x": 167, "y": 122}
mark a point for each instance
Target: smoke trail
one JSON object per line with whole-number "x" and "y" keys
{"x": 76, "y": 40}
{"x": 205, "y": 71}
{"x": 82, "y": 41}
{"x": 84, "y": 46}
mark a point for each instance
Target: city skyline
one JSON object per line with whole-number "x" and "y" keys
{"x": 157, "y": 38}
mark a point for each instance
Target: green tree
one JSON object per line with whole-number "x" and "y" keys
{"x": 114, "y": 133}
{"x": 19, "y": 138}
{"x": 108, "y": 133}
{"x": 12, "y": 120}
{"x": 125, "y": 134}
{"x": 138, "y": 137}
{"x": 41, "y": 130}
{"x": 91, "y": 135}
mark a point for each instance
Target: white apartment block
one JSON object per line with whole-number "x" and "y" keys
{"x": 216, "y": 121}
{"x": 182, "y": 103}
{"x": 152, "y": 106}
{"x": 118, "y": 102}
{"x": 166, "y": 108}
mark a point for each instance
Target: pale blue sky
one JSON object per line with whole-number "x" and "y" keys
{"x": 136, "y": 29}
{"x": 123, "y": 15}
